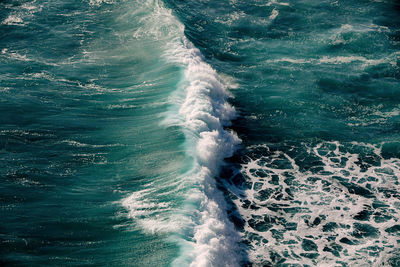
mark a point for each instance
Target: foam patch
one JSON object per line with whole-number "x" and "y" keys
{"x": 326, "y": 204}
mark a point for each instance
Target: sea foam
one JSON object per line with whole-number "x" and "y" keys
{"x": 343, "y": 207}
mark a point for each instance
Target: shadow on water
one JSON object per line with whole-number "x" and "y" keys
{"x": 231, "y": 178}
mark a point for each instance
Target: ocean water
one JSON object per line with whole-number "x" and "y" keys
{"x": 199, "y": 133}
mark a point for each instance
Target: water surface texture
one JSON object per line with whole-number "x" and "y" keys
{"x": 199, "y": 133}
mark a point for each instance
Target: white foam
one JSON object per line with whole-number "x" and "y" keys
{"x": 320, "y": 194}
{"x": 30, "y": 6}
{"x": 376, "y": 115}
{"x": 274, "y": 14}
{"x": 338, "y": 60}
{"x": 230, "y": 19}
{"x": 99, "y": 2}
{"x": 349, "y": 59}
{"x": 20, "y": 15}
{"x": 289, "y": 60}
{"x": 25, "y": 133}
{"x": 201, "y": 109}
{"x": 388, "y": 114}
{"x": 12, "y": 19}
{"x": 79, "y": 144}
{"x": 338, "y": 35}
{"x": 274, "y": 2}
{"x": 237, "y": 17}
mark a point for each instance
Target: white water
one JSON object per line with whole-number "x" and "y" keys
{"x": 320, "y": 195}
{"x": 200, "y": 107}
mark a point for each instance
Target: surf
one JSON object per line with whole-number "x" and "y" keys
{"x": 200, "y": 107}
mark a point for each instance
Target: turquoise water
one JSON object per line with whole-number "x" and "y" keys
{"x": 211, "y": 133}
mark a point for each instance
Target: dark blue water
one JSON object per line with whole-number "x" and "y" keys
{"x": 117, "y": 117}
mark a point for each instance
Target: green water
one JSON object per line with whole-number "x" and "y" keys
{"x": 81, "y": 110}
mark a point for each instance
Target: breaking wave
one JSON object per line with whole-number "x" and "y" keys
{"x": 200, "y": 107}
